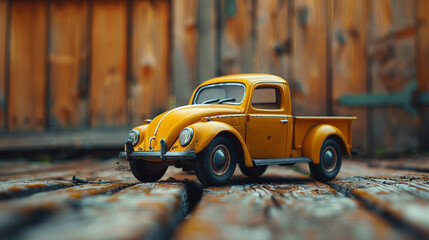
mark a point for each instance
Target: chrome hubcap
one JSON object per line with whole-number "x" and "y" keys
{"x": 329, "y": 161}
{"x": 220, "y": 159}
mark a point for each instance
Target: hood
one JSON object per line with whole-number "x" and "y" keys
{"x": 169, "y": 124}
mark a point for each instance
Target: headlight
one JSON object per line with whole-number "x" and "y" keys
{"x": 185, "y": 136}
{"x": 134, "y": 136}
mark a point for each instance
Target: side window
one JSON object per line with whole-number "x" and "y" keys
{"x": 266, "y": 98}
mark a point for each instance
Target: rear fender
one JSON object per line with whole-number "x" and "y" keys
{"x": 205, "y": 132}
{"x": 316, "y": 136}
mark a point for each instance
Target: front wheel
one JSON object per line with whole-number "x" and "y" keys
{"x": 146, "y": 171}
{"x": 217, "y": 163}
{"x": 330, "y": 161}
{"x": 252, "y": 172}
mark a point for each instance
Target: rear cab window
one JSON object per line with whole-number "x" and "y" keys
{"x": 266, "y": 97}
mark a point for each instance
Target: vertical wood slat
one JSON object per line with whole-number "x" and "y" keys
{"x": 149, "y": 88}
{"x": 349, "y": 62}
{"x": 27, "y": 89}
{"x": 68, "y": 58}
{"x": 207, "y": 47}
{"x": 185, "y": 40}
{"x": 272, "y": 45}
{"x": 392, "y": 51}
{"x": 107, "y": 99}
{"x": 309, "y": 83}
{"x": 3, "y": 56}
{"x": 237, "y": 40}
{"x": 422, "y": 63}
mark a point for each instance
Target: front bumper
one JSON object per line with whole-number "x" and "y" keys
{"x": 156, "y": 155}
{"x": 162, "y": 155}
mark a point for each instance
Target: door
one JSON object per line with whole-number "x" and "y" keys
{"x": 267, "y": 123}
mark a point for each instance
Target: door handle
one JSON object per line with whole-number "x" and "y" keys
{"x": 284, "y": 121}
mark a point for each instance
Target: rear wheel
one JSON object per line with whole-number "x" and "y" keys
{"x": 217, "y": 163}
{"x": 330, "y": 161}
{"x": 146, "y": 171}
{"x": 252, "y": 172}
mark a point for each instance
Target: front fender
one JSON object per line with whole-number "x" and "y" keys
{"x": 316, "y": 136}
{"x": 205, "y": 132}
{"x": 142, "y": 129}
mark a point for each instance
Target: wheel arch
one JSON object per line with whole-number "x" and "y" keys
{"x": 205, "y": 132}
{"x": 317, "y": 135}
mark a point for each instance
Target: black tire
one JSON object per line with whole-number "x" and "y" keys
{"x": 330, "y": 161}
{"x": 217, "y": 162}
{"x": 146, "y": 171}
{"x": 252, "y": 172}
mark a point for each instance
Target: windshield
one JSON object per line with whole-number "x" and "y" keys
{"x": 220, "y": 93}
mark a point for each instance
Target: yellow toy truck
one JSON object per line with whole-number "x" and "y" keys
{"x": 244, "y": 119}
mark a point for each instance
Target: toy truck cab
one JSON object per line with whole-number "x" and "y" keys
{"x": 240, "y": 119}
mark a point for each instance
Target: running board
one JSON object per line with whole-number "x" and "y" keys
{"x": 273, "y": 161}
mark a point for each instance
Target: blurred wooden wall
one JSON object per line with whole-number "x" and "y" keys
{"x": 108, "y": 63}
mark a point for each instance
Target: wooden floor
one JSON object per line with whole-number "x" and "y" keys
{"x": 90, "y": 199}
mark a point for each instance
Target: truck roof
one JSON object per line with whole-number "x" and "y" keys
{"x": 250, "y": 78}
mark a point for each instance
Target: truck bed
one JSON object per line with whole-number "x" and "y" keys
{"x": 303, "y": 124}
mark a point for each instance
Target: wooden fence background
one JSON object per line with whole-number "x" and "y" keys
{"x": 100, "y": 64}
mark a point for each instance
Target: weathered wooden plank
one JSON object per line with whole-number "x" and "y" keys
{"x": 79, "y": 171}
{"x": 12, "y": 168}
{"x": 3, "y": 57}
{"x": 290, "y": 208}
{"x": 403, "y": 200}
{"x": 377, "y": 168}
{"x": 27, "y": 85}
{"x": 272, "y": 41}
{"x": 19, "y": 188}
{"x": 422, "y": 60}
{"x": 19, "y": 213}
{"x": 283, "y": 203}
{"x": 349, "y": 55}
{"x": 207, "y": 46}
{"x": 79, "y": 139}
{"x": 420, "y": 165}
{"x": 68, "y": 59}
{"x": 237, "y": 37}
{"x": 108, "y": 86}
{"x": 382, "y": 168}
{"x": 309, "y": 83}
{"x": 185, "y": 40}
{"x": 392, "y": 49}
{"x": 150, "y": 85}
{"x": 148, "y": 211}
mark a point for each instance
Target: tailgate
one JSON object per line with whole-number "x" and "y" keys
{"x": 303, "y": 124}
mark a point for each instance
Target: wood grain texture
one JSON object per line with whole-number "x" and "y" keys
{"x": 290, "y": 206}
{"x": 44, "y": 200}
{"x": 349, "y": 54}
{"x": 150, "y": 85}
{"x": 401, "y": 199}
{"x": 3, "y": 57}
{"x": 69, "y": 60}
{"x": 207, "y": 45}
{"x": 185, "y": 40}
{"x": 272, "y": 40}
{"x": 237, "y": 37}
{"x": 27, "y": 85}
{"x": 145, "y": 211}
{"x": 392, "y": 53}
{"x": 309, "y": 83}
{"x": 108, "y": 86}
{"x": 422, "y": 60}
{"x": 22, "y": 188}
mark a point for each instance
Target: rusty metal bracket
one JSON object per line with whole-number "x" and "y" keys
{"x": 409, "y": 99}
